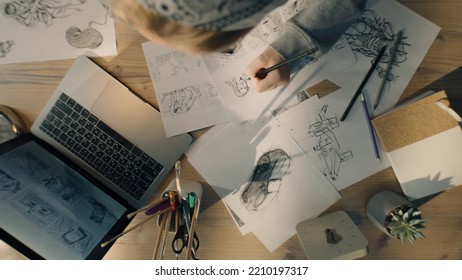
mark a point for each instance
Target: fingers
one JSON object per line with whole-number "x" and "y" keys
{"x": 269, "y": 57}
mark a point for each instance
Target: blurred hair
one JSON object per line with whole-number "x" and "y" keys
{"x": 189, "y": 38}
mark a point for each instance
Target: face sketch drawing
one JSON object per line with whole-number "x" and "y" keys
{"x": 239, "y": 85}
{"x": 271, "y": 28}
{"x": 266, "y": 180}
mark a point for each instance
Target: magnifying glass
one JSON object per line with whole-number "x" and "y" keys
{"x": 11, "y": 125}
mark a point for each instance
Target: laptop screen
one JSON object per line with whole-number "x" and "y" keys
{"x": 53, "y": 208}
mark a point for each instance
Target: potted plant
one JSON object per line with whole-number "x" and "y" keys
{"x": 396, "y": 216}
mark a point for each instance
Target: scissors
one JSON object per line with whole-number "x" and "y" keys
{"x": 181, "y": 238}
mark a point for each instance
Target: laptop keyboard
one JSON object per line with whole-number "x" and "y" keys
{"x": 101, "y": 147}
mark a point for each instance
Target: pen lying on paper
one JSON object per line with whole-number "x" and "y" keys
{"x": 369, "y": 126}
{"x": 387, "y": 71}
{"x": 363, "y": 83}
{"x": 261, "y": 74}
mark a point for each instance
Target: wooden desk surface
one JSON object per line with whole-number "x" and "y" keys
{"x": 26, "y": 88}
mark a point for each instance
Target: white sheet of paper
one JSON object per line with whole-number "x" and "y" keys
{"x": 419, "y": 178}
{"x": 238, "y": 93}
{"x": 342, "y": 151}
{"x": 187, "y": 98}
{"x": 283, "y": 187}
{"x": 376, "y": 28}
{"x": 58, "y": 29}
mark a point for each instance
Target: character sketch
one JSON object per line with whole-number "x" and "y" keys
{"x": 6, "y": 47}
{"x": 90, "y": 37}
{"x": 266, "y": 180}
{"x": 328, "y": 147}
{"x": 180, "y": 101}
{"x": 32, "y": 12}
{"x": 35, "y": 209}
{"x": 71, "y": 235}
{"x": 239, "y": 85}
{"x": 64, "y": 189}
{"x": 369, "y": 34}
{"x": 9, "y": 186}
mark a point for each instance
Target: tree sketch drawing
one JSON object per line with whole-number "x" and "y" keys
{"x": 369, "y": 34}
{"x": 328, "y": 147}
{"x": 266, "y": 180}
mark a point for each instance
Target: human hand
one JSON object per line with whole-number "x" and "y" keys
{"x": 279, "y": 77}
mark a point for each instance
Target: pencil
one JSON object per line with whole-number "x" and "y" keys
{"x": 363, "y": 83}
{"x": 387, "y": 71}
{"x": 263, "y": 72}
{"x": 369, "y": 126}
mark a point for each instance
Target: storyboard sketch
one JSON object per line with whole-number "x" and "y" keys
{"x": 188, "y": 100}
{"x": 43, "y": 201}
{"x": 58, "y": 29}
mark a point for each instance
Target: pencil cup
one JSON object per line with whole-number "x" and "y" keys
{"x": 187, "y": 186}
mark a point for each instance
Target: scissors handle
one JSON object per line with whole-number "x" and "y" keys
{"x": 181, "y": 236}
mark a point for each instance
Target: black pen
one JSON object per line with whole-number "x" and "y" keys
{"x": 387, "y": 71}
{"x": 363, "y": 83}
{"x": 263, "y": 72}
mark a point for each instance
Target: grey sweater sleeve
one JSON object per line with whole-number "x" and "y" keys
{"x": 320, "y": 23}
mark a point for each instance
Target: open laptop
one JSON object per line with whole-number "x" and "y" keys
{"x": 95, "y": 153}
{"x": 110, "y": 132}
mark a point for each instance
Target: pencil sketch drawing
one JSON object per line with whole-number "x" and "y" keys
{"x": 88, "y": 38}
{"x": 239, "y": 85}
{"x": 188, "y": 98}
{"x": 6, "y": 47}
{"x": 328, "y": 147}
{"x": 28, "y": 163}
{"x": 9, "y": 186}
{"x": 96, "y": 212}
{"x": 65, "y": 190}
{"x": 71, "y": 235}
{"x": 173, "y": 65}
{"x": 369, "y": 34}
{"x": 30, "y": 13}
{"x": 301, "y": 96}
{"x": 269, "y": 29}
{"x": 35, "y": 209}
{"x": 266, "y": 180}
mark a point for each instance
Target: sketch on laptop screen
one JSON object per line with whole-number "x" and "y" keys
{"x": 50, "y": 207}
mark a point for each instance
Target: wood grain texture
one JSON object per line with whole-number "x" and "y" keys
{"x": 26, "y": 87}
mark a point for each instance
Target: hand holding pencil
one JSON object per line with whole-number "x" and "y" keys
{"x": 271, "y": 64}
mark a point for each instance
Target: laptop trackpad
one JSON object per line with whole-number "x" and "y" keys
{"x": 125, "y": 112}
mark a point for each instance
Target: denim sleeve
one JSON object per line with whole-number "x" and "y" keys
{"x": 320, "y": 23}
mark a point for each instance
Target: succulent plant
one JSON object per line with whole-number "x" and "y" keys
{"x": 405, "y": 223}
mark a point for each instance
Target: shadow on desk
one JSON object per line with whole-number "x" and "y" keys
{"x": 452, "y": 84}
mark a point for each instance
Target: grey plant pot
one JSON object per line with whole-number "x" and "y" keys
{"x": 381, "y": 204}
